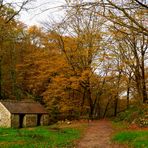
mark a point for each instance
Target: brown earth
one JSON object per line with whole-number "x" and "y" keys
{"x": 98, "y": 135}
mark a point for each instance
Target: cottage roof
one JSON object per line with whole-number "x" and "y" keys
{"x": 24, "y": 107}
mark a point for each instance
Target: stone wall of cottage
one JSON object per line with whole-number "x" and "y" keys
{"x": 30, "y": 120}
{"x": 15, "y": 120}
{"x": 45, "y": 120}
{"x": 5, "y": 117}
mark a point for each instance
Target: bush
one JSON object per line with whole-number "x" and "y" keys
{"x": 128, "y": 115}
{"x": 135, "y": 115}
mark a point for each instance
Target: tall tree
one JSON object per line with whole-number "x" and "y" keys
{"x": 8, "y": 34}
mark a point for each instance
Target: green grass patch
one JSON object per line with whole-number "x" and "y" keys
{"x": 39, "y": 137}
{"x": 137, "y": 139}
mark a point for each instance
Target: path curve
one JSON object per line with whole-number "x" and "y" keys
{"x": 98, "y": 135}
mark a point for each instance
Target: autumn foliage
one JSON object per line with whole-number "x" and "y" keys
{"x": 92, "y": 65}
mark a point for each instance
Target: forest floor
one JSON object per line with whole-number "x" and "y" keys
{"x": 98, "y": 135}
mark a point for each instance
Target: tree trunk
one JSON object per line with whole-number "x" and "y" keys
{"x": 117, "y": 95}
{"x": 144, "y": 90}
{"x": 90, "y": 104}
{"x": 106, "y": 108}
{"x": 116, "y": 106}
{"x": 138, "y": 85}
{"x": 83, "y": 101}
{"x": 145, "y": 98}
{"x": 90, "y": 101}
{"x": 128, "y": 92}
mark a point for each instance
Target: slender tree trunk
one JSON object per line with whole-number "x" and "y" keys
{"x": 138, "y": 85}
{"x": 97, "y": 110}
{"x": 116, "y": 105}
{"x": 137, "y": 70}
{"x": 90, "y": 101}
{"x": 96, "y": 105}
{"x": 144, "y": 90}
{"x": 145, "y": 98}
{"x": 106, "y": 108}
{"x": 117, "y": 95}
{"x": 90, "y": 104}
{"x": 128, "y": 92}
{"x": 127, "y": 98}
{"x": 83, "y": 101}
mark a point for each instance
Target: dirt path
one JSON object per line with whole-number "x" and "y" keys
{"x": 98, "y": 135}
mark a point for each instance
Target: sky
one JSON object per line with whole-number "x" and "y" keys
{"x": 41, "y": 11}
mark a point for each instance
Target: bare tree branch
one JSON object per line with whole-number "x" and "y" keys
{"x": 17, "y": 12}
{"x": 141, "y": 4}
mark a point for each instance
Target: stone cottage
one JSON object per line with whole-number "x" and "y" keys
{"x": 22, "y": 114}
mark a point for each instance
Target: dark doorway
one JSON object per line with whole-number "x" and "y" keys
{"x": 39, "y": 119}
{"x": 21, "y": 119}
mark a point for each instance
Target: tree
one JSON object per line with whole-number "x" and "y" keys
{"x": 7, "y": 9}
{"x": 84, "y": 31}
{"x": 133, "y": 51}
{"x": 128, "y": 18}
{"x": 120, "y": 12}
{"x": 10, "y": 31}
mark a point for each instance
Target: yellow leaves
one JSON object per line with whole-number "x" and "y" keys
{"x": 74, "y": 81}
{"x": 86, "y": 74}
{"x": 118, "y": 33}
{"x": 34, "y": 30}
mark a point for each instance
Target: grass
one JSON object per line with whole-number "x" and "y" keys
{"x": 39, "y": 137}
{"x": 129, "y": 119}
{"x": 136, "y": 139}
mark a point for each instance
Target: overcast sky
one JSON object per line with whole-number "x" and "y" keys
{"x": 39, "y": 13}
